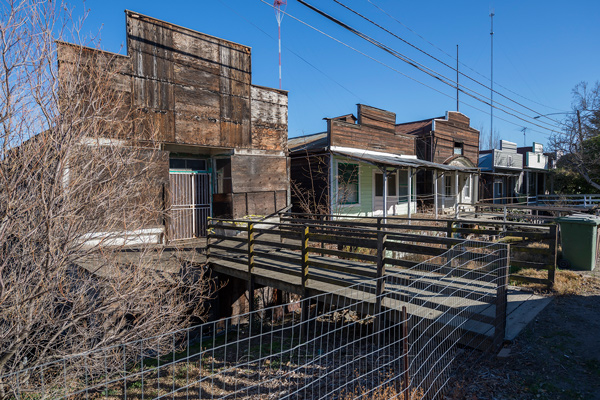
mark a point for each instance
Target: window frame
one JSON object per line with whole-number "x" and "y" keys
{"x": 339, "y": 201}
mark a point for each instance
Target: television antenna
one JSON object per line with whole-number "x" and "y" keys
{"x": 279, "y": 6}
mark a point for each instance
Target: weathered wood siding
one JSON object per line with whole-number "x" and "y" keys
{"x": 260, "y": 183}
{"x": 375, "y": 130}
{"x": 448, "y": 131}
{"x": 90, "y": 71}
{"x": 269, "y": 118}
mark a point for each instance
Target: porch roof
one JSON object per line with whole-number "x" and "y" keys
{"x": 381, "y": 159}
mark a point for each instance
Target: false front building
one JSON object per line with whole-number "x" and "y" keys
{"x": 361, "y": 166}
{"x": 222, "y": 140}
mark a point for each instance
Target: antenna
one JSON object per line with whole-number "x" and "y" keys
{"x": 524, "y": 130}
{"x": 278, "y": 4}
{"x": 492, "y": 74}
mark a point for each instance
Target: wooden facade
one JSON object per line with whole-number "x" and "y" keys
{"x": 448, "y": 140}
{"x": 315, "y": 163}
{"x": 440, "y": 139}
{"x": 373, "y": 130}
{"x": 193, "y": 95}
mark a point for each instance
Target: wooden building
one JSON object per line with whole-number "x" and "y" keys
{"x": 360, "y": 166}
{"x": 223, "y": 139}
{"x": 448, "y": 140}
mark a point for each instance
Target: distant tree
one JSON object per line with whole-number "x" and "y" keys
{"x": 579, "y": 141}
{"x": 490, "y": 140}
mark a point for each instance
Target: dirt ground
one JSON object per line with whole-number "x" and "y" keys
{"x": 556, "y": 357}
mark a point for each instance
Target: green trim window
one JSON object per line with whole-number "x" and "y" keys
{"x": 347, "y": 177}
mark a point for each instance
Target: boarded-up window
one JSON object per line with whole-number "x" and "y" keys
{"x": 347, "y": 183}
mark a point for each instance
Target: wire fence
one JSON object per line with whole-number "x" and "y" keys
{"x": 344, "y": 344}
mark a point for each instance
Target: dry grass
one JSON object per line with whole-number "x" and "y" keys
{"x": 565, "y": 282}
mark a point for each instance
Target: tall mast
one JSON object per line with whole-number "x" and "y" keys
{"x": 492, "y": 75}
{"x": 278, "y": 4}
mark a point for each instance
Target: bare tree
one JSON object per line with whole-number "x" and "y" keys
{"x": 491, "y": 141}
{"x": 76, "y": 186}
{"x": 579, "y": 142}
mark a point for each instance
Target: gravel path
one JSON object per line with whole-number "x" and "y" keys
{"x": 556, "y": 357}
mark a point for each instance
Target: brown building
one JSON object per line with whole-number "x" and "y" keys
{"x": 448, "y": 140}
{"x": 360, "y": 166}
{"x": 223, "y": 139}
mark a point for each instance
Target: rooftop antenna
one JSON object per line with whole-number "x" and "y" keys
{"x": 278, "y": 5}
{"x": 524, "y": 130}
{"x": 492, "y": 74}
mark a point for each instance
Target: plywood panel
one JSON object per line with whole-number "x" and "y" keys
{"x": 253, "y": 173}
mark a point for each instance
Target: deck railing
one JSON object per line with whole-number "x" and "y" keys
{"x": 533, "y": 245}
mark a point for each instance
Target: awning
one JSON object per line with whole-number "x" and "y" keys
{"x": 381, "y": 159}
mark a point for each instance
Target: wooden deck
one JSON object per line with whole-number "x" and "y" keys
{"x": 463, "y": 284}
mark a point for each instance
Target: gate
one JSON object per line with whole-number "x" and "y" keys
{"x": 190, "y": 204}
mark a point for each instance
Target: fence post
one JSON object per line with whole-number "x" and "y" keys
{"x": 406, "y": 381}
{"x": 210, "y": 223}
{"x": 250, "y": 266}
{"x": 501, "y": 297}
{"x": 553, "y": 253}
{"x": 304, "y": 262}
{"x": 381, "y": 239}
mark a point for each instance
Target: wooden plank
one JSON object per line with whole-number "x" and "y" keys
{"x": 353, "y": 270}
{"x": 343, "y": 254}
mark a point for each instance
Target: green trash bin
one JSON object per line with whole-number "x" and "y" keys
{"x": 579, "y": 240}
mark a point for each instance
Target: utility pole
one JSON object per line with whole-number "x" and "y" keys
{"x": 457, "y": 90}
{"x": 524, "y": 130}
{"x": 492, "y": 74}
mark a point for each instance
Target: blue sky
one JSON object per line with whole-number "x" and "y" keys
{"x": 542, "y": 49}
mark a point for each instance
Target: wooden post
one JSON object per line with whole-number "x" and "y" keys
{"x": 435, "y": 192}
{"x": 501, "y": 297}
{"x": 304, "y": 266}
{"x": 385, "y": 191}
{"x": 553, "y": 253}
{"x": 250, "y": 266}
{"x": 381, "y": 239}
{"x": 406, "y": 381}
{"x": 409, "y": 190}
{"x": 456, "y": 196}
{"x": 449, "y": 226}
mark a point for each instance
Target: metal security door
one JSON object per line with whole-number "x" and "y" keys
{"x": 190, "y": 206}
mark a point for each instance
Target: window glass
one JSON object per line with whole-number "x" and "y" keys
{"x": 458, "y": 148}
{"x": 177, "y": 163}
{"x": 448, "y": 184}
{"x": 391, "y": 184}
{"x": 347, "y": 183}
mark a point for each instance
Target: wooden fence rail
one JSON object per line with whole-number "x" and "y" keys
{"x": 429, "y": 231}
{"x": 339, "y": 254}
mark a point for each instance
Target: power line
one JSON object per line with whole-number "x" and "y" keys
{"x": 452, "y": 57}
{"x": 437, "y": 59}
{"x": 292, "y": 51}
{"x": 414, "y": 79}
{"x": 433, "y": 74}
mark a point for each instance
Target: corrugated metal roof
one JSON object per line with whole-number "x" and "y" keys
{"x": 387, "y": 159}
{"x": 316, "y": 141}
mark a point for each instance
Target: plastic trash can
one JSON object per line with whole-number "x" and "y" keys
{"x": 579, "y": 240}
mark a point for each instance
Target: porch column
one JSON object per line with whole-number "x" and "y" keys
{"x": 526, "y": 187}
{"x": 385, "y": 192}
{"x": 409, "y": 192}
{"x": 457, "y": 197}
{"x": 435, "y": 192}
